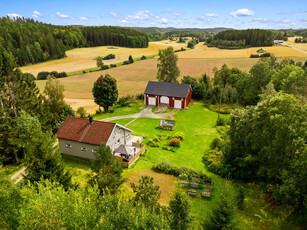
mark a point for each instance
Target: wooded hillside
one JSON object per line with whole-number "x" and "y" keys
{"x": 242, "y": 38}
{"x": 32, "y": 42}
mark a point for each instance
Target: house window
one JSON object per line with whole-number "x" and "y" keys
{"x": 68, "y": 145}
{"x": 94, "y": 151}
{"x": 83, "y": 148}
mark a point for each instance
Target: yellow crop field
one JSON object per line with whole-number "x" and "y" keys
{"x": 84, "y": 58}
{"x": 302, "y": 46}
{"x": 132, "y": 79}
{"x": 202, "y": 51}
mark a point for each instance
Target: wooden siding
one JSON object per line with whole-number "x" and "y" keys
{"x": 131, "y": 162}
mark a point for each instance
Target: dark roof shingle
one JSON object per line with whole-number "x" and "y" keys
{"x": 167, "y": 89}
{"x": 79, "y": 129}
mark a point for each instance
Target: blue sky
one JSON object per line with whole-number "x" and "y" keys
{"x": 163, "y": 13}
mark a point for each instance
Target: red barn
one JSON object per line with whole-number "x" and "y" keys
{"x": 174, "y": 95}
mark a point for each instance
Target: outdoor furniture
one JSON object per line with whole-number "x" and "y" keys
{"x": 193, "y": 185}
{"x": 182, "y": 178}
{"x": 192, "y": 192}
{"x": 184, "y": 183}
{"x": 208, "y": 186}
{"x": 167, "y": 124}
{"x": 195, "y": 179}
{"x": 206, "y": 193}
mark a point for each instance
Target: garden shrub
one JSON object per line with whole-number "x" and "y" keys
{"x": 216, "y": 143}
{"x": 140, "y": 96}
{"x": 175, "y": 142}
{"x": 168, "y": 168}
{"x": 143, "y": 57}
{"x": 104, "y": 67}
{"x": 125, "y": 101}
{"x": 126, "y": 62}
{"x": 153, "y": 143}
{"x": 113, "y": 65}
{"x": 212, "y": 160}
{"x": 179, "y": 135}
{"x": 221, "y": 121}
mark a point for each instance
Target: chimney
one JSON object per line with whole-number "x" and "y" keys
{"x": 91, "y": 120}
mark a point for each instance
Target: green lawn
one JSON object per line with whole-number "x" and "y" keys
{"x": 135, "y": 107}
{"x": 198, "y": 125}
{"x": 123, "y": 121}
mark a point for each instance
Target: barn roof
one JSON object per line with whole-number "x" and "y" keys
{"x": 80, "y": 130}
{"x": 167, "y": 89}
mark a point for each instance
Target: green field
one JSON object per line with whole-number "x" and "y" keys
{"x": 198, "y": 125}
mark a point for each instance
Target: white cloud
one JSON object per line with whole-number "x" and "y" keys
{"x": 286, "y": 21}
{"x": 61, "y": 15}
{"x": 261, "y": 20}
{"x": 176, "y": 13}
{"x": 302, "y": 13}
{"x": 211, "y": 15}
{"x": 113, "y": 14}
{"x": 35, "y": 16}
{"x": 35, "y": 12}
{"x": 13, "y": 15}
{"x": 140, "y": 15}
{"x": 83, "y": 18}
{"x": 201, "y": 18}
{"x": 124, "y": 21}
{"x": 163, "y": 21}
{"x": 242, "y": 13}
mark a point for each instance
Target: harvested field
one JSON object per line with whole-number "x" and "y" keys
{"x": 202, "y": 51}
{"x": 132, "y": 79}
{"x": 290, "y": 42}
{"x": 167, "y": 183}
{"x": 84, "y": 58}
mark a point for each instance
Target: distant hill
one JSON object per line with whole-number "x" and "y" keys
{"x": 157, "y": 30}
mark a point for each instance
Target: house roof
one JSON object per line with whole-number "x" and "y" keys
{"x": 167, "y": 89}
{"x": 80, "y": 130}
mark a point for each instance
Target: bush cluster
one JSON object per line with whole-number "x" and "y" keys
{"x": 143, "y": 57}
{"x": 155, "y": 141}
{"x": 43, "y": 75}
{"x": 125, "y": 101}
{"x": 261, "y": 55}
{"x": 109, "y": 56}
{"x": 175, "y": 142}
{"x": 113, "y": 65}
{"x": 168, "y": 168}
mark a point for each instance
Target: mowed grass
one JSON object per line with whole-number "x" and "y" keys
{"x": 122, "y": 121}
{"x": 198, "y": 125}
{"x": 134, "y": 107}
{"x": 84, "y": 58}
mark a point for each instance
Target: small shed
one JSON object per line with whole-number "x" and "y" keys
{"x": 167, "y": 124}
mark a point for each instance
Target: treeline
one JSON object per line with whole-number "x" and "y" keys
{"x": 301, "y": 40}
{"x": 30, "y": 42}
{"x": 265, "y": 141}
{"x": 201, "y": 36}
{"x": 241, "y": 38}
{"x": 117, "y": 36}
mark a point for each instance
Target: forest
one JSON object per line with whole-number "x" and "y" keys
{"x": 235, "y": 39}
{"x": 31, "y": 42}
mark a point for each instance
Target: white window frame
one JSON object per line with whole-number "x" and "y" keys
{"x": 68, "y": 145}
{"x": 83, "y": 149}
{"x": 94, "y": 150}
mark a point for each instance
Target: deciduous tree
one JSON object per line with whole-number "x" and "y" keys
{"x": 168, "y": 70}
